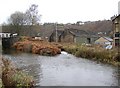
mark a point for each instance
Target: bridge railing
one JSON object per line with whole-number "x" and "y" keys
{"x": 7, "y": 35}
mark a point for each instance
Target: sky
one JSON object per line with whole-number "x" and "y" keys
{"x": 62, "y": 11}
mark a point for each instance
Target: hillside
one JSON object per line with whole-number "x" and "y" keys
{"x": 93, "y": 26}
{"x": 45, "y": 30}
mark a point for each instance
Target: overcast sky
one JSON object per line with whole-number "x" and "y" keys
{"x": 62, "y": 11}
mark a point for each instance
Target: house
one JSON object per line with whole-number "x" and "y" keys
{"x": 104, "y": 41}
{"x": 75, "y": 36}
{"x": 116, "y": 30}
{"x": 72, "y": 36}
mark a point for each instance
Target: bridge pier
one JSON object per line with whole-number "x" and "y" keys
{"x": 6, "y": 43}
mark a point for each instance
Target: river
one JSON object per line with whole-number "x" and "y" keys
{"x": 64, "y": 70}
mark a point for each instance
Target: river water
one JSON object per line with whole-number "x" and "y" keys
{"x": 65, "y": 70}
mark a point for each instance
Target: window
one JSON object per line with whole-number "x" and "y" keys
{"x": 89, "y": 40}
{"x": 116, "y": 27}
{"x": 0, "y": 35}
{"x": 117, "y": 34}
{"x": 117, "y": 42}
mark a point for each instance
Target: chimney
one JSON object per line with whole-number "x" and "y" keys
{"x": 119, "y": 8}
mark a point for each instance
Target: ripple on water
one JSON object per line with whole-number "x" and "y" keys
{"x": 65, "y": 70}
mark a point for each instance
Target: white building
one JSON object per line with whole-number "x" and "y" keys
{"x": 104, "y": 41}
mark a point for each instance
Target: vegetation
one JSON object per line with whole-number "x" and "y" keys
{"x": 23, "y": 22}
{"x": 30, "y": 17}
{"x": 35, "y": 46}
{"x": 104, "y": 26}
{"x": 0, "y": 48}
{"x": 1, "y": 83}
{"x": 94, "y": 53}
{"x": 12, "y": 77}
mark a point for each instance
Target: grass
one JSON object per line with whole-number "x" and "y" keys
{"x": 13, "y": 77}
{"x": 93, "y": 53}
{"x": 1, "y": 83}
{"x": 22, "y": 79}
{"x": 0, "y": 49}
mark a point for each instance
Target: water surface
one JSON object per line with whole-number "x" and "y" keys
{"x": 65, "y": 70}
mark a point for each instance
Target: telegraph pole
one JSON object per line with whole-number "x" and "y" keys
{"x": 56, "y": 32}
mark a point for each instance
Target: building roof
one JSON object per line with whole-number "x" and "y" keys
{"x": 109, "y": 39}
{"x": 115, "y": 17}
{"x": 104, "y": 39}
{"x": 77, "y": 32}
{"x": 80, "y": 33}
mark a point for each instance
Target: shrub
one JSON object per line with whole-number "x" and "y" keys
{"x": 14, "y": 78}
{"x": 95, "y": 53}
{"x": 1, "y": 83}
{"x": 21, "y": 79}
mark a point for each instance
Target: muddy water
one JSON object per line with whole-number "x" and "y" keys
{"x": 65, "y": 70}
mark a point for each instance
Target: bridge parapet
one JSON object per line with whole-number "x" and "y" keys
{"x": 7, "y": 35}
{"x": 4, "y": 35}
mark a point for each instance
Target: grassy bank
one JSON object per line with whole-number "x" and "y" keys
{"x": 10, "y": 76}
{"x": 93, "y": 53}
{"x": 0, "y": 49}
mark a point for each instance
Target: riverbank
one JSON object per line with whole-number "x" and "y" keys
{"x": 91, "y": 52}
{"x": 10, "y": 76}
{"x": 94, "y": 53}
{"x": 37, "y": 47}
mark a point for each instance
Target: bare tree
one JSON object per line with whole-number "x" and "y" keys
{"x": 32, "y": 16}
{"x": 17, "y": 18}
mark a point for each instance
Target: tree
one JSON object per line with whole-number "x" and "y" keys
{"x": 32, "y": 17}
{"x": 17, "y": 18}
